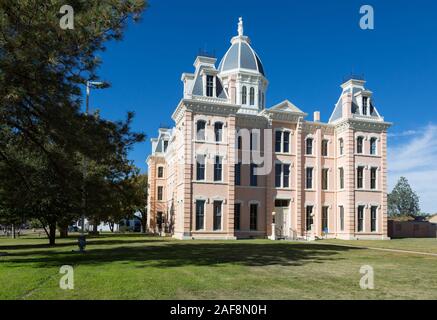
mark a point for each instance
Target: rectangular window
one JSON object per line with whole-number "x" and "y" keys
{"x": 209, "y": 86}
{"x": 365, "y": 99}
{"x": 217, "y": 215}
{"x": 373, "y": 146}
{"x": 253, "y": 217}
{"x": 218, "y": 131}
{"x": 160, "y": 172}
{"x": 165, "y": 145}
{"x": 373, "y": 218}
{"x": 286, "y": 142}
{"x": 200, "y": 168}
{"x": 341, "y": 146}
{"x": 341, "y": 178}
{"x": 325, "y": 219}
{"x": 309, "y": 146}
{"x": 360, "y": 177}
{"x": 309, "y": 218}
{"x": 254, "y": 141}
{"x": 278, "y": 175}
{"x": 325, "y": 173}
{"x": 309, "y": 178}
{"x": 286, "y": 176}
{"x": 325, "y": 148}
{"x": 360, "y": 219}
{"x": 341, "y": 218}
{"x": 278, "y": 141}
{"x": 253, "y": 176}
{"x": 200, "y": 214}
{"x": 218, "y": 168}
{"x": 239, "y": 142}
{"x": 373, "y": 178}
{"x": 238, "y": 174}
{"x": 237, "y": 216}
{"x": 160, "y": 193}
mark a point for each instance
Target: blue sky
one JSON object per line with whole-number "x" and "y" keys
{"x": 307, "y": 47}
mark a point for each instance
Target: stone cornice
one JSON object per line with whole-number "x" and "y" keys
{"x": 362, "y": 125}
{"x": 205, "y": 107}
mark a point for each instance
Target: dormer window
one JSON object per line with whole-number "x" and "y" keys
{"x": 365, "y": 101}
{"x": 252, "y": 96}
{"x": 209, "y": 86}
{"x": 165, "y": 145}
{"x": 244, "y": 95}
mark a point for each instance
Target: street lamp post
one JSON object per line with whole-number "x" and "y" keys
{"x": 89, "y": 85}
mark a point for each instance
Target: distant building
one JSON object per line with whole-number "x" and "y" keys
{"x": 232, "y": 168}
{"x": 433, "y": 218}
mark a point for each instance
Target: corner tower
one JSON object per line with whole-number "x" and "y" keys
{"x": 242, "y": 74}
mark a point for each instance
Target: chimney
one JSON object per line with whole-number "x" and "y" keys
{"x": 317, "y": 116}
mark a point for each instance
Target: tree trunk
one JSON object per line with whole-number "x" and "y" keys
{"x": 13, "y": 233}
{"x": 63, "y": 232}
{"x": 52, "y": 234}
{"x": 111, "y": 226}
{"x": 143, "y": 221}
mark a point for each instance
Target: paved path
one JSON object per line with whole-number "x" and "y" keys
{"x": 382, "y": 249}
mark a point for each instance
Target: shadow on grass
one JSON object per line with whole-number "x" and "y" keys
{"x": 177, "y": 254}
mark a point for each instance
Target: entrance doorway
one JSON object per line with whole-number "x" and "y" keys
{"x": 282, "y": 218}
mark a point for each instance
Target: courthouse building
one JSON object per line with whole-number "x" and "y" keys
{"x": 232, "y": 167}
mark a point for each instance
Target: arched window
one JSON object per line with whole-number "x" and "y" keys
{"x": 360, "y": 145}
{"x": 218, "y": 131}
{"x": 252, "y": 96}
{"x": 373, "y": 146}
{"x": 244, "y": 95}
{"x": 341, "y": 146}
{"x": 200, "y": 130}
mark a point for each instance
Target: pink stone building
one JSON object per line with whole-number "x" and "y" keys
{"x": 231, "y": 168}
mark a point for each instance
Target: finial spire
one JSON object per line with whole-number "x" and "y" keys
{"x": 240, "y": 27}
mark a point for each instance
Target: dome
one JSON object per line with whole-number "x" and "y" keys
{"x": 241, "y": 55}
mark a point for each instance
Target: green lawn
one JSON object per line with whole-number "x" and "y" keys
{"x": 137, "y": 267}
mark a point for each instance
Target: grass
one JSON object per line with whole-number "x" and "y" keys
{"x": 140, "y": 267}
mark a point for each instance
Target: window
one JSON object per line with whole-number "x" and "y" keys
{"x": 325, "y": 219}
{"x": 360, "y": 145}
{"x": 238, "y": 174}
{"x": 160, "y": 172}
{"x": 244, "y": 95}
{"x": 209, "y": 86}
{"x": 200, "y": 214}
{"x": 278, "y": 141}
{"x": 218, "y": 131}
{"x": 365, "y": 99}
{"x": 263, "y": 100}
{"x": 254, "y": 138}
{"x": 201, "y": 130}
{"x": 237, "y": 216}
{"x": 341, "y": 146}
{"x": 165, "y": 145}
{"x": 252, "y": 96}
{"x": 373, "y": 178}
{"x": 286, "y": 142}
{"x": 309, "y": 218}
{"x": 281, "y": 203}
{"x": 218, "y": 169}
{"x": 373, "y": 146}
{"x": 278, "y": 175}
{"x": 341, "y": 178}
{"x": 309, "y": 178}
{"x": 160, "y": 193}
{"x": 253, "y": 217}
{"x": 239, "y": 142}
{"x": 360, "y": 218}
{"x": 325, "y": 148}
{"x": 286, "y": 176}
{"x": 360, "y": 174}
{"x": 253, "y": 176}
{"x": 341, "y": 218}
{"x": 325, "y": 173}
{"x": 309, "y": 146}
{"x": 373, "y": 217}
{"x": 217, "y": 215}
{"x": 200, "y": 168}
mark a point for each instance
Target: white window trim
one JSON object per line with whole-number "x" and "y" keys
{"x": 206, "y": 201}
